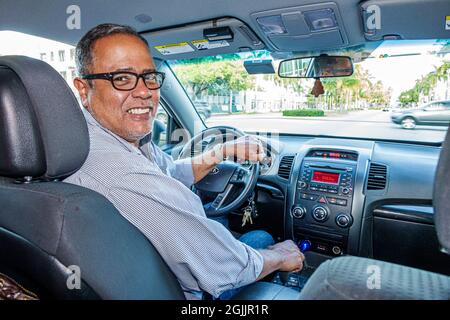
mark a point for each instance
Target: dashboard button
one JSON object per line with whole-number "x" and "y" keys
{"x": 320, "y": 213}
{"x": 336, "y": 250}
{"x": 298, "y": 212}
{"x": 331, "y": 200}
{"x": 343, "y": 220}
{"x": 322, "y": 200}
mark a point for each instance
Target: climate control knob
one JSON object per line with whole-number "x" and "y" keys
{"x": 343, "y": 220}
{"x": 298, "y": 212}
{"x": 320, "y": 213}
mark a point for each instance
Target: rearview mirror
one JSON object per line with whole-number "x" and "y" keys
{"x": 316, "y": 67}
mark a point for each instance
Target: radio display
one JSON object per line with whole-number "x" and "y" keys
{"x": 326, "y": 177}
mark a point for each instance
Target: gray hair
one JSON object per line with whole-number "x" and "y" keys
{"x": 85, "y": 46}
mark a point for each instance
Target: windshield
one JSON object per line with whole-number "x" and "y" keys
{"x": 399, "y": 90}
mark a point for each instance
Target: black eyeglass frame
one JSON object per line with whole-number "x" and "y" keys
{"x": 110, "y": 76}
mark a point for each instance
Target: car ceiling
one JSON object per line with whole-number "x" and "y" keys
{"x": 47, "y": 18}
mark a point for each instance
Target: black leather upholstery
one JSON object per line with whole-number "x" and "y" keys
{"x": 48, "y": 226}
{"x": 44, "y": 134}
{"x": 22, "y": 154}
{"x": 441, "y": 196}
{"x": 58, "y": 225}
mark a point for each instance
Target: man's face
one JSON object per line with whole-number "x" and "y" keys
{"x": 109, "y": 106}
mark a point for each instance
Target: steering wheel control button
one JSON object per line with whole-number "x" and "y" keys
{"x": 304, "y": 245}
{"x": 343, "y": 220}
{"x": 320, "y": 213}
{"x": 298, "y": 212}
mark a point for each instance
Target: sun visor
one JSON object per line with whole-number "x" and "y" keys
{"x": 213, "y": 37}
{"x": 303, "y": 28}
{"x": 400, "y": 19}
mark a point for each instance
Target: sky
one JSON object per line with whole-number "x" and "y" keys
{"x": 23, "y": 44}
{"x": 400, "y": 73}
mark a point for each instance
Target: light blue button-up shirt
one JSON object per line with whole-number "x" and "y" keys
{"x": 152, "y": 192}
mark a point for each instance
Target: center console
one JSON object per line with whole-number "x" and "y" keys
{"x": 321, "y": 211}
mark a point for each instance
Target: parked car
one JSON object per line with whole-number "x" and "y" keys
{"x": 203, "y": 109}
{"x": 436, "y": 113}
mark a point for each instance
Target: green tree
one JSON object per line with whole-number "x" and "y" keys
{"x": 213, "y": 77}
{"x": 351, "y": 92}
{"x": 426, "y": 84}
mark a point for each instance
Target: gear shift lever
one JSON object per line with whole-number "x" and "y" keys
{"x": 304, "y": 246}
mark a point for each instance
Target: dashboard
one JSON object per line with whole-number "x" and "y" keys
{"x": 356, "y": 197}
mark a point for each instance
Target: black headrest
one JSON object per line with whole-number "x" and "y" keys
{"x": 43, "y": 133}
{"x": 441, "y": 195}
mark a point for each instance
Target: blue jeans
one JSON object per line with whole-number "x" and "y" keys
{"x": 256, "y": 239}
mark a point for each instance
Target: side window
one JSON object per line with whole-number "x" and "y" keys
{"x": 435, "y": 106}
{"x": 159, "y": 130}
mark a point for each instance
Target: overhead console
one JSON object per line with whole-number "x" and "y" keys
{"x": 307, "y": 27}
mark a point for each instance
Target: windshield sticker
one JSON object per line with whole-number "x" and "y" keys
{"x": 204, "y": 44}
{"x": 175, "y": 48}
{"x": 447, "y": 23}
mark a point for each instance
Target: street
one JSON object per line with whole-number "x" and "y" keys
{"x": 374, "y": 124}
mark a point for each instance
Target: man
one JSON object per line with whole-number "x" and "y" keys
{"x": 119, "y": 88}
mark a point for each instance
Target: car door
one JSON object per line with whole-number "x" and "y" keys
{"x": 446, "y": 113}
{"x": 436, "y": 113}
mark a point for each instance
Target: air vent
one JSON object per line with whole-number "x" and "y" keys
{"x": 284, "y": 170}
{"x": 377, "y": 177}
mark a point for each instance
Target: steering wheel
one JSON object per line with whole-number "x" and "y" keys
{"x": 226, "y": 176}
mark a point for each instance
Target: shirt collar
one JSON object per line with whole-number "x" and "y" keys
{"x": 93, "y": 122}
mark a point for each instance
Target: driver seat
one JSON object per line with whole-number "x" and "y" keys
{"x": 59, "y": 240}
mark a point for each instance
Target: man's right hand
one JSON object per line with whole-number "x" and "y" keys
{"x": 292, "y": 257}
{"x": 283, "y": 256}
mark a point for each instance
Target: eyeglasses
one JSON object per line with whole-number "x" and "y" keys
{"x": 126, "y": 81}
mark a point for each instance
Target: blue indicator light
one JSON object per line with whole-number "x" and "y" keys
{"x": 305, "y": 245}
